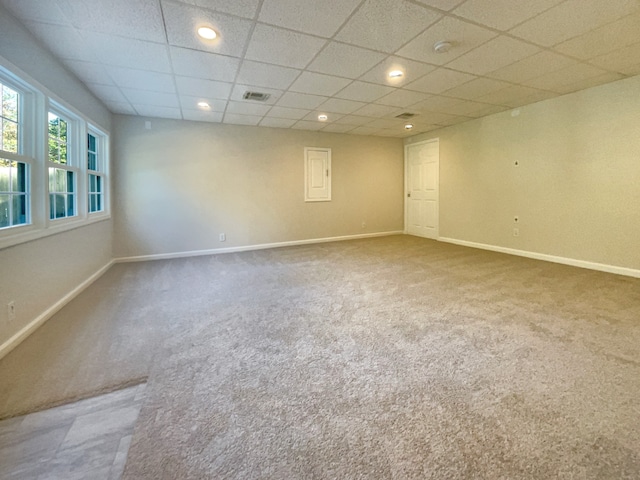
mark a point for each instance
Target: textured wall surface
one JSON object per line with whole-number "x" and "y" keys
{"x": 576, "y": 188}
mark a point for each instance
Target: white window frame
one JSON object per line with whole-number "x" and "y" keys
{"x": 37, "y": 102}
{"x": 102, "y": 147}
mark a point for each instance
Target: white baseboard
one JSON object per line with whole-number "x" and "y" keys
{"x": 22, "y": 334}
{"x": 629, "y": 272}
{"x": 246, "y": 248}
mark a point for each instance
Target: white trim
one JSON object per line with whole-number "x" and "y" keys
{"x": 262, "y": 246}
{"x": 629, "y": 272}
{"x": 21, "y": 335}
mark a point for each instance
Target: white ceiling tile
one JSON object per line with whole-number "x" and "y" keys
{"x": 236, "y": 119}
{"x": 63, "y": 41}
{"x": 441, "y": 4}
{"x": 146, "y": 97}
{"x": 107, "y": 93}
{"x": 200, "y": 86}
{"x": 625, "y": 60}
{"x": 345, "y": 60}
{"x": 276, "y": 122}
{"x": 402, "y": 98}
{"x": 608, "y": 38}
{"x": 89, "y": 72}
{"x": 239, "y": 90}
{"x": 396, "y": 123}
{"x": 337, "y": 105}
{"x": 264, "y": 75}
{"x": 412, "y": 71}
{"x": 463, "y": 35}
{"x": 247, "y": 108}
{"x": 374, "y": 110}
{"x": 140, "y": 19}
{"x": 288, "y": 113}
{"x": 435, "y": 103}
{"x": 205, "y": 65}
{"x": 159, "y": 112}
{"x": 121, "y": 108}
{"x": 318, "y": 83}
{"x": 536, "y": 97}
{"x": 337, "y": 128}
{"x": 142, "y": 79}
{"x": 300, "y": 100}
{"x": 190, "y": 102}
{"x": 310, "y": 16}
{"x": 572, "y": 18}
{"x": 590, "y": 82}
{"x": 532, "y": 67}
{"x": 377, "y": 26}
{"x": 126, "y": 52}
{"x": 364, "y": 92}
{"x": 558, "y": 80}
{"x": 467, "y": 108}
{"x": 37, "y": 11}
{"x": 202, "y": 116}
{"x": 494, "y": 54}
{"x": 354, "y": 120}
{"x": 440, "y": 80}
{"x": 502, "y": 14}
{"x": 510, "y": 95}
{"x": 364, "y": 131}
{"x": 476, "y": 88}
{"x": 282, "y": 47}
{"x": 241, "y": 8}
{"x": 182, "y": 22}
{"x": 307, "y": 125}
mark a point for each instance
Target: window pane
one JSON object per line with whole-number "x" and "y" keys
{"x": 63, "y": 130}
{"x": 54, "y": 151}
{"x": 70, "y": 182}
{"x": 63, "y": 153}
{"x": 9, "y": 136}
{"x": 5, "y": 175}
{"x": 4, "y": 211}
{"x": 71, "y": 208}
{"x": 61, "y": 180}
{"x": 59, "y": 205}
{"x": 91, "y": 143}
{"x": 91, "y": 164}
{"x": 19, "y": 209}
{"x": 21, "y": 178}
{"x": 92, "y": 203}
{"x": 98, "y": 184}
{"x": 92, "y": 183}
{"x": 54, "y": 126}
{"x": 9, "y": 103}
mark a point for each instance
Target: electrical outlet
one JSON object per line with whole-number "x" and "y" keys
{"x": 516, "y": 232}
{"x": 223, "y": 237}
{"x": 11, "y": 311}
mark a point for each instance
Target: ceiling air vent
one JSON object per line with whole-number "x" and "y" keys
{"x": 406, "y": 115}
{"x": 257, "y": 96}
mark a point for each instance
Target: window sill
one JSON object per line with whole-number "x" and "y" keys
{"x": 28, "y": 233}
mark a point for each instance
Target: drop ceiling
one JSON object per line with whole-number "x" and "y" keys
{"x": 332, "y": 57}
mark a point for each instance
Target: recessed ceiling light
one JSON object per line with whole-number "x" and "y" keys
{"x": 204, "y": 105}
{"x": 322, "y": 118}
{"x": 408, "y": 126}
{"x": 396, "y": 74}
{"x": 442, "y": 46}
{"x": 207, "y": 33}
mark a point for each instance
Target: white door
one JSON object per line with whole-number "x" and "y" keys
{"x": 422, "y": 166}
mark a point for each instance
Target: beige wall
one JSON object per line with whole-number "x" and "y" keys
{"x": 37, "y": 274}
{"x": 181, "y": 184}
{"x": 576, "y": 189}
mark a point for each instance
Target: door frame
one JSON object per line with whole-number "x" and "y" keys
{"x": 406, "y": 182}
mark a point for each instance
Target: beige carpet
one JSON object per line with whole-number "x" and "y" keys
{"x": 384, "y": 358}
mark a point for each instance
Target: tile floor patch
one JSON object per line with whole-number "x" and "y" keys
{"x": 85, "y": 439}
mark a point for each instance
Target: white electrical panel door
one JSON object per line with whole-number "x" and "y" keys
{"x": 317, "y": 174}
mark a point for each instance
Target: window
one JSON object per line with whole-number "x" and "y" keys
{"x": 54, "y": 164}
{"x": 95, "y": 168}
{"x": 14, "y": 168}
{"x": 62, "y": 179}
